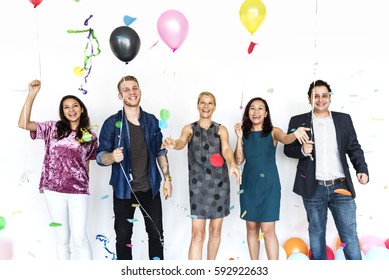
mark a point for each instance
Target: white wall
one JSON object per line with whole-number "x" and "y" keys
{"x": 351, "y": 53}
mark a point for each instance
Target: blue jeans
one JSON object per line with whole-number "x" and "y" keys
{"x": 343, "y": 209}
{"x": 151, "y": 209}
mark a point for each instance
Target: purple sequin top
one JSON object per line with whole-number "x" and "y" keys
{"x": 64, "y": 166}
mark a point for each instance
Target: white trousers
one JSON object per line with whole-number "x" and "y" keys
{"x": 71, "y": 211}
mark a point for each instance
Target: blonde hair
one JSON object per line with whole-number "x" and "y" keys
{"x": 207, "y": 93}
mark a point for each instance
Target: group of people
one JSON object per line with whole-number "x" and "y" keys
{"x": 131, "y": 142}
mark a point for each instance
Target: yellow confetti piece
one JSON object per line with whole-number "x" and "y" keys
{"x": 16, "y": 212}
{"x": 377, "y": 119}
{"x": 243, "y": 214}
{"x": 135, "y": 205}
{"x": 260, "y": 236}
{"x": 385, "y": 187}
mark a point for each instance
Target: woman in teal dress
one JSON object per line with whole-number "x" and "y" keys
{"x": 260, "y": 191}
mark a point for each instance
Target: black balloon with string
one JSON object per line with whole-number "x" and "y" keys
{"x": 125, "y": 43}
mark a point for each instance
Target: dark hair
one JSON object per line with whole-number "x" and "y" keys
{"x": 247, "y": 124}
{"x": 63, "y": 125}
{"x": 318, "y": 83}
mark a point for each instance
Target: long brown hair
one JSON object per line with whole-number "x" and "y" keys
{"x": 63, "y": 125}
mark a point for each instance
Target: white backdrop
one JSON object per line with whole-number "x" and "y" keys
{"x": 345, "y": 43}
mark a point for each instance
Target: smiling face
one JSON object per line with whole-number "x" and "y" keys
{"x": 72, "y": 111}
{"x": 257, "y": 113}
{"x": 321, "y": 99}
{"x": 206, "y": 105}
{"x": 130, "y": 93}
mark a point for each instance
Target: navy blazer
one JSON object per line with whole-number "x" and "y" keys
{"x": 346, "y": 137}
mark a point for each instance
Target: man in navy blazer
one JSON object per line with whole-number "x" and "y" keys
{"x": 323, "y": 178}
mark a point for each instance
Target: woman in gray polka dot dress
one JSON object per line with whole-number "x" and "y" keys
{"x": 209, "y": 153}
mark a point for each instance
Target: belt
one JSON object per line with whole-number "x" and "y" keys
{"x": 329, "y": 183}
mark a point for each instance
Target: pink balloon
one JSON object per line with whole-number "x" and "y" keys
{"x": 172, "y": 28}
{"x": 369, "y": 241}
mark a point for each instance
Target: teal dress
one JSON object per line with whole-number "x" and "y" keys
{"x": 260, "y": 189}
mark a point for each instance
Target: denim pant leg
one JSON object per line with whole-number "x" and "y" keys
{"x": 317, "y": 212}
{"x": 343, "y": 209}
{"x": 152, "y": 213}
{"x": 123, "y": 211}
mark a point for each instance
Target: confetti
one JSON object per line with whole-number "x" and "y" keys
{"x": 260, "y": 236}
{"x": 129, "y": 245}
{"x": 251, "y": 47}
{"x": 2, "y": 223}
{"x": 243, "y": 214}
{"x": 132, "y": 220}
{"x": 342, "y": 191}
{"x": 240, "y": 191}
{"x": 156, "y": 258}
{"x": 104, "y": 197}
{"x": 135, "y": 205}
{"x": 53, "y": 224}
{"x": 216, "y": 160}
{"x": 192, "y": 216}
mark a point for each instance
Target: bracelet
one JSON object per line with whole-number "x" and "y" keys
{"x": 168, "y": 178}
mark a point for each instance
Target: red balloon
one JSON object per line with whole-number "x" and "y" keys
{"x": 36, "y": 2}
{"x": 216, "y": 160}
{"x": 330, "y": 253}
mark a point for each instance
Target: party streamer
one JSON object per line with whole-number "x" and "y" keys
{"x": 89, "y": 52}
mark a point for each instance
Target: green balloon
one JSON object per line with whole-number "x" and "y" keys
{"x": 164, "y": 114}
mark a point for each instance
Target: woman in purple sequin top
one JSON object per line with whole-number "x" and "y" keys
{"x": 69, "y": 146}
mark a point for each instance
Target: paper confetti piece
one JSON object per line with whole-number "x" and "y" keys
{"x": 128, "y": 20}
{"x": 260, "y": 236}
{"x": 192, "y": 216}
{"x": 216, "y": 160}
{"x": 53, "y": 224}
{"x": 343, "y": 245}
{"x": 156, "y": 258}
{"x": 16, "y": 212}
{"x": 104, "y": 197}
{"x": 132, "y": 220}
{"x": 232, "y": 207}
{"x": 2, "y": 223}
{"x": 135, "y": 205}
{"x": 240, "y": 191}
{"x": 243, "y": 214}
{"x": 385, "y": 187}
{"x": 261, "y": 175}
{"x": 251, "y": 47}
{"x": 342, "y": 191}
{"x": 129, "y": 245}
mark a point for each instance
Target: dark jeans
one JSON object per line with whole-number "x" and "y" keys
{"x": 343, "y": 210}
{"x": 152, "y": 214}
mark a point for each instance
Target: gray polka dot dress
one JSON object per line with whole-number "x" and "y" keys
{"x": 209, "y": 184}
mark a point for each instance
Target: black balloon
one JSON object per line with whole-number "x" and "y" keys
{"x": 125, "y": 43}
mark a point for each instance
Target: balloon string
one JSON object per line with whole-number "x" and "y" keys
{"x": 37, "y": 39}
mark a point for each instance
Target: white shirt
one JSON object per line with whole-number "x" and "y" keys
{"x": 328, "y": 164}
